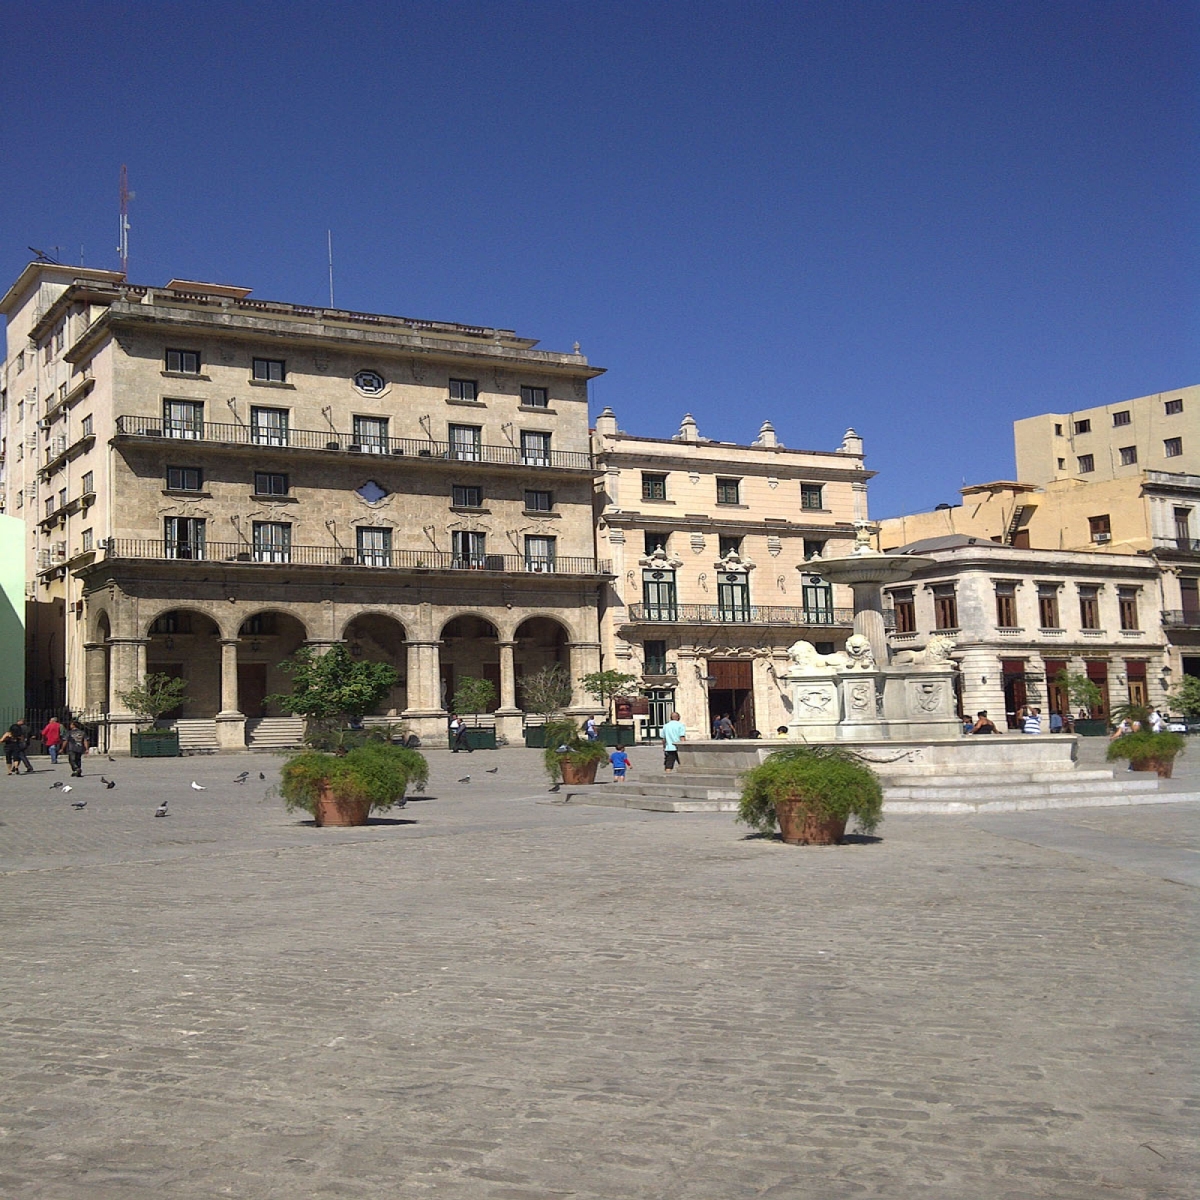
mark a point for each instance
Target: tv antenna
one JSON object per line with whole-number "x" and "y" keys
{"x": 42, "y": 256}
{"x": 123, "y": 240}
{"x": 329, "y": 236}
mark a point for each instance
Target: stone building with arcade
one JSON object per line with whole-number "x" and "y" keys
{"x": 209, "y": 481}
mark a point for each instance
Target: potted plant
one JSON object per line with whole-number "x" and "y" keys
{"x": 603, "y": 686}
{"x": 473, "y": 696}
{"x": 1085, "y": 693}
{"x": 343, "y": 789}
{"x": 1185, "y": 699}
{"x": 155, "y": 695}
{"x": 810, "y": 792}
{"x": 332, "y": 690}
{"x": 1146, "y": 751}
{"x": 568, "y": 756}
{"x": 545, "y": 694}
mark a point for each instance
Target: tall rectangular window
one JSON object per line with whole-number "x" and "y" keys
{"x": 540, "y": 553}
{"x": 733, "y": 596}
{"x": 465, "y": 496}
{"x": 86, "y": 540}
{"x": 269, "y": 370}
{"x": 183, "y": 537}
{"x": 536, "y": 501}
{"x": 904, "y": 605}
{"x": 374, "y": 547}
{"x": 183, "y": 362}
{"x": 272, "y": 541}
{"x": 1006, "y": 605}
{"x": 1048, "y": 606}
{"x": 1183, "y": 528}
{"x": 945, "y": 606}
{"x": 1087, "y": 463}
{"x": 371, "y": 433}
{"x": 183, "y": 418}
{"x": 1100, "y": 528}
{"x": 1127, "y": 603}
{"x": 1121, "y": 418}
{"x": 729, "y": 491}
{"x": 184, "y": 479}
{"x": 85, "y": 427}
{"x": 468, "y": 549}
{"x": 658, "y": 596}
{"x": 1172, "y": 447}
{"x": 88, "y": 483}
{"x": 811, "y": 495}
{"x": 817, "y": 599}
{"x": 270, "y": 483}
{"x": 535, "y": 448}
{"x": 654, "y": 487}
{"x": 533, "y": 397}
{"x": 269, "y": 426}
{"x": 1089, "y": 607}
{"x": 464, "y": 389}
{"x": 1189, "y": 596}
{"x": 1128, "y": 455}
{"x": 465, "y": 442}
{"x": 655, "y": 660}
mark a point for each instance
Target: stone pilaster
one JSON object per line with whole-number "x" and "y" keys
{"x": 231, "y": 722}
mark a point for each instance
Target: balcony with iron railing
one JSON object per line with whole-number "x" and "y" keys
{"x": 269, "y": 438}
{"x": 754, "y": 614}
{"x": 1181, "y": 618}
{"x": 1188, "y": 545}
{"x": 341, "y": 556}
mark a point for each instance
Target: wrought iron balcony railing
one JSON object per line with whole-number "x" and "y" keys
{"x": 755, "y": 614}
{"x": 1181, "y": 618}
{"x": 273, "y": 437}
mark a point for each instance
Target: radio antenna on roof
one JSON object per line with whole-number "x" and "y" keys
{"x": 123, "y": 239}
{"x": 329, "y": 236}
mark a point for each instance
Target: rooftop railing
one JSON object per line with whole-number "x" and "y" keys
{"x": 340, "y": 556}
{"x": 273, "y": 437}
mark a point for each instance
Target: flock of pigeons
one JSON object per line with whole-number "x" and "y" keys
{"x": 160, "y": 811}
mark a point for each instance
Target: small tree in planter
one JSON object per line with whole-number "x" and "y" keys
{"x": 810, "y": 792}
{"x": 332, "y": 689}
{"x": 155, "y": 695}
{"x": 569, "y": 757}
{"x": 1185, "y": 699}
{"x": 1146, "y": 751}
{"x": 604, "y": 685}
{"x": 544, "y": 694}
{"x": 1084, "y": 693}
{"x": 473, "y": 696}
{"x": 344, "y": 789}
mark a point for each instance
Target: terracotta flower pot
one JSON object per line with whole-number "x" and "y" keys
{"x": 1141, "y": 764}
{"x": 333, "y": 809}
{"x": 801, "y": 825}
{"x": 1165, "y": 767}
{"x": 577, "y": 772}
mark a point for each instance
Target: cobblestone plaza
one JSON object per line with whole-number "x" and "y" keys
{"x": 487, "y": 995}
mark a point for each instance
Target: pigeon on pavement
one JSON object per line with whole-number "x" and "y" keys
{"x": 56, "y": 785}
{"x": 161, "y": 810}
{"x": 108, "y": 783}
{"x": 79, "y": 804}
{"x": 492, "y": 770}
{"x": 261, "y": 775}
{"x": 111, "y": 759}
{"x": 465, "y": 779}
{"x": 198, "y": 787}
{"x": 242, "y": 777}
{"x": 67, "y": 788}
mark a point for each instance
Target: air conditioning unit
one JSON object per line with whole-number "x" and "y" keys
{"x": 1101, "y": 537}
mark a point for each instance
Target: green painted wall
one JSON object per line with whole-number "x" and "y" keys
{"x": 12, "y": 615}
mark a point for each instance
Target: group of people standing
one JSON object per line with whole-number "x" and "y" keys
{"x": 70, "y": 739}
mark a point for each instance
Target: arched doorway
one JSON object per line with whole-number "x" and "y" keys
{"x": 470, "y": 648}
{"x": 379, "y": 638}
{"x": 98, "y": 668}
{"x": 185, "y": 644}
{"x": 540, "y": 642}
{"x": 265, "y": 639}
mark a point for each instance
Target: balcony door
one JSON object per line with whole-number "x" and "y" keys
{"x": 272, "y": 541}
{"x": 371, "y": 433}
{"x": 183, "y": 418}
{"x": 468, "y": 550}
{"x": 183, "y": 537}
{"x": 269, "y": 426}
{"x": 465, "y": 443}
{"x": 818, "y": 604}
{"x": 658, "y": 596}
{"x": 733, "y": 596}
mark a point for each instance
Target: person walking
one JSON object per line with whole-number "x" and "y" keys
{"x": 589, "y": 729}
{"x": 620, "y": 763}
{"x": 17, "y": 747}
{"x": 52, "y": 737}
{"x": 458, "y": 730}
{"x": 673, "y": 732}
{"x": 725, "y": 729}
{"x": 77, "y": 747}
{"x": 1157, "y": 724}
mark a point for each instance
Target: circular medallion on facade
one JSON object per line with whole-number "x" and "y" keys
{"x": 370, "y": 382}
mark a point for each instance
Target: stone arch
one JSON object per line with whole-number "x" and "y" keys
{"x": 380, "y": 637}
{"x": 168, "y": 607}
{"x": 470, "y": 646}
{"x": 98, "y": 663}
{"x": 265, "y": 638}
{"x": 99, "y": 627}
{"x": 539, "y": 642}
{"x": 185, "y": 642}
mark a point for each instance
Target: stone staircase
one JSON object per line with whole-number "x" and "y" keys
{"x": 274, "y": 733}
{"x": 967, "y": 791}
{"x": 196, "y": 734}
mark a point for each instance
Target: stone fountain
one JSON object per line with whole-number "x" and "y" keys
{"x": 860, "y": 694}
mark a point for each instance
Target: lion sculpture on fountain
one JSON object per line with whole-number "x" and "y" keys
{"x": 936, "y": 654}
{"x": 856, "y": 657}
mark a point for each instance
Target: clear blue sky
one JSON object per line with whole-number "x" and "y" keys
{"x": 924, "y": 219}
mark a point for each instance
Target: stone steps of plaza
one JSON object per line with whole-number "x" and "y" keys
{"x": 274, "y": 733}
{"x": 197, "y": 733}
{"x": 971, "y": 792}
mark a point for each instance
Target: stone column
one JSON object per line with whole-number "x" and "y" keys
{"x": 691, "y": 697}
{"x": 508, "y": 681}
{"x": 585, "y": 660}
{"x": 95, "y": 671}
{"x": 231, "y": 722}
{"x": 127, "y": 669}
{"x": 424, "y": 712}
{"x": 868, "y": 618}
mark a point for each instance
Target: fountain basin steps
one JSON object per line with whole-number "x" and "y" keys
{"x": 1004, "y": 773}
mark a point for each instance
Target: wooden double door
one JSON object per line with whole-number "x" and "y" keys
{"x": 731, "y": 693}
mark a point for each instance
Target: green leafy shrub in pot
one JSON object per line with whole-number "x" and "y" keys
{"x": 1148, "y": 751}
{"x": 831, "y": 783}
{"x": 579, "y": 751}
{"x": 374, "y": 775}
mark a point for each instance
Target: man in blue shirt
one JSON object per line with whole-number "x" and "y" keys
{"x": 673, "y": 732}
